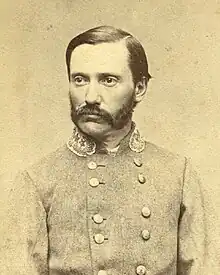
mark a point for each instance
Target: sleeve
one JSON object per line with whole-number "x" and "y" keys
{"x": 192, "y": 226}
{"x": 23, "y": 228}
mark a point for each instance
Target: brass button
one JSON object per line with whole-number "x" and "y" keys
{"x": 146, "y": 212}
{"x": 102, "y": 272}
{"x": 99, "y": 238}
{"x": 141, "y": 178}
{"x": 92, "y": 165}
{"x": 145, "y": 234}
{"x": 138, "y": 162}
{"x": 97, "y": 218}
{"x": 94, "y": 182}
{"x": 141, "y": 270}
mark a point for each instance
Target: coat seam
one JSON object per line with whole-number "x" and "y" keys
{"x": 184, "y": 178}
{"x": 40, "y": 226}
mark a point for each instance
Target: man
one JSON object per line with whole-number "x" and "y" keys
{"x": 109, "y": 202}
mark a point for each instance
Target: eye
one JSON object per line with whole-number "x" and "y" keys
{"x": 109, "y": 81}
{"x": 80, "y": 80}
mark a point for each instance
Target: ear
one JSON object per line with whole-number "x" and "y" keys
{"x": 140, "y": 89}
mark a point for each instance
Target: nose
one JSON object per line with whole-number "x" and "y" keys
{"x": 92, "y": 94}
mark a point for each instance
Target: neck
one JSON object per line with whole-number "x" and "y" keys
{"x": 113, "y": 138}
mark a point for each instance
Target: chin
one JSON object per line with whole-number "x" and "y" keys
{"x": 94, "y": 129}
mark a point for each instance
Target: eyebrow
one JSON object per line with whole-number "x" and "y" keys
{"x": 78, "y": 73}
{"x": 110, "y": 74}
{"x": 106, "y": 74}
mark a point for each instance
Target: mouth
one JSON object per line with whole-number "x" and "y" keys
{"x": 93, "y": 117}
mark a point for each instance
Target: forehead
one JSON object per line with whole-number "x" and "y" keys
{"x": 104, "y": 57}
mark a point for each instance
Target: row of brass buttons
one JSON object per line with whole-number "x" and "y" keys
{"x": 94, "y": 182}
{"x": 99, "y": 238}
{"x": 98, "y": 219}
{"x": 93, "y": 165}
{"x": 140, "y": 270}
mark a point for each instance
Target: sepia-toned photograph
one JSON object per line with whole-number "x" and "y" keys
{"x": 110, "y": 132}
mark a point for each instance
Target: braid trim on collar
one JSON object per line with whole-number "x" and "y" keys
{"x": 82, "y": 145}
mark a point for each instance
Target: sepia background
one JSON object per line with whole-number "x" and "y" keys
{"x": 180, "y": 111}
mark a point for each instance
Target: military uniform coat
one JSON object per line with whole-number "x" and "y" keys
{"x": 82, "y": 211}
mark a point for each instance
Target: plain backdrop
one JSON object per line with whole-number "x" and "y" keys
{"x": 180, "y": 111}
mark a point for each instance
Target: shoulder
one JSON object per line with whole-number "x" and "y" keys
{"x": 170, "y": 165}
{"x": 162, "y": 158}
{"x": 50, "y": 170}
{"x": 53, "y": 161}
{"x": 53, "y": 165}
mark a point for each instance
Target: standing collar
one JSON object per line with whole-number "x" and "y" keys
{"x": 83, "y": 145}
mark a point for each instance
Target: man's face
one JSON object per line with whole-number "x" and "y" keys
{"x": 101, "y": 87}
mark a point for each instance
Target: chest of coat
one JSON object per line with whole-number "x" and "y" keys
{"x": 115, "y": 214}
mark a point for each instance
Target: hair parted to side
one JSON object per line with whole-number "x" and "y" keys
{"x": 107, "y": 34}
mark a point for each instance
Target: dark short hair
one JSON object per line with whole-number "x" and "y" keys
{"x": 107, "y": 34}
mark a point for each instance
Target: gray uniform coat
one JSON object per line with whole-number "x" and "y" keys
{"x": 82, "y": 211}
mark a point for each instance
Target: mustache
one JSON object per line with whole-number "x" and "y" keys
{"x": 92, "y": 109}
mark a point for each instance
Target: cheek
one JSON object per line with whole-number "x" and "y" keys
{"x": 122, "y": 94}
{"x": 116, "y": 99}
{"x": 77, "y": 95}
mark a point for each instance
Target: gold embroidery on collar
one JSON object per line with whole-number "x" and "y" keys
{"x": 137, "y": 142}
{"x": 83, "y": 146}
